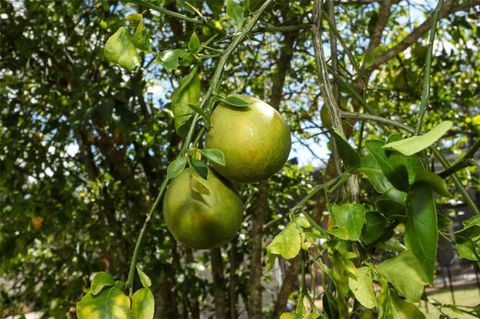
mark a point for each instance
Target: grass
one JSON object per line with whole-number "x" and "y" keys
{"x": 464, "y": 296}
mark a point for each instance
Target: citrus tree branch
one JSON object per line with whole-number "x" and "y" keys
{"x": 161, "y": 9}
{"x": 441, "y": 158}
{"x": 428, "y": 69}
{"x": 465, "y": 161}
{"x": 420, "y": 31}
{"x": 205, "y": 101}
{"x": 383, "y": 15}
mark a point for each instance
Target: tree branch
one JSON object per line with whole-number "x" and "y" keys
{"x": 420, "y": 31}
{"x": 376, "y": 38}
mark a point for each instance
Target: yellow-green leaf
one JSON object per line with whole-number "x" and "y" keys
{"x": 109, "y": 304}
{"x": 120, "y": 49}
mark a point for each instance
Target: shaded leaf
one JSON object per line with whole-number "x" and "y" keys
{"x": 421, "y": 229}
{"x": 121, "y": 50}
{"x": 200, "y": 168}
{"x": 375, "y": 224}
{"x": 143, "y": 304}
{"x": 396, "y": 175}
{"x": 435, "y": 181}
{"x": 415, "y": 144}
{"x": 350, "y": 157}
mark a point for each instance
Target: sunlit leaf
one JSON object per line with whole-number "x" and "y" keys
{"x": 144, "y": 279}
{"x": 214, "y": 155}
{"x": 415, "y": 144}
{"x": 349, "y": 219}
{"x": 143, "y": 304}
{"x": 111, "y": 303}
{"x": 120, "y": 49}
{"x": 101, "y": 280}
{"x": 287, "y": 243}
{"x": 403, "y": 272}
{"x": 362, "y": 287}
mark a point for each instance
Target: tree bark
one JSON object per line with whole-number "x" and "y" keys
{"x": 288, "y": 286}
{"x": 218, "y": 284}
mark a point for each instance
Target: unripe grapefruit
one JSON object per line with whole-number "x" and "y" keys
{"x": 255, "y": 140}
{"x": 199, "y": 220}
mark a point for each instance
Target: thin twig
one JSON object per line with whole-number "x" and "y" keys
{"x": 428, "y": 64}
{"x": 166, "y": 11}
{"x": 465, "y": 161}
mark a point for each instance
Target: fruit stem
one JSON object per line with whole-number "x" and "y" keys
{"x": 133, "y": 264}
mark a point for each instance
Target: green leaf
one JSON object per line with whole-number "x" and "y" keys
{"x": 111, "y": 303}
{"x": 350, "y": 157}
{"x": 121, "y": 50}
{"x": 435, "y": 181}
{"x": 143, "y": 304}
{"x": 393, "y": 306}
{"x": 287, "y": 243}
{"x": 397, "y": 175}
{"x": 200, "y": 168}
{"x": 421, "y": 229}
{"x": 236, "y": 101}
{"x": 215, "y": 155}
{"x": 375, "y": 175}
{"x": 349, "y": 219}
{"x": 362, "y": 287}
{"x": 403, "y": 272}
{"x": 415, "y": 144}
{"x": 375, "y": 225}
{"x": 187, "y": 93}
{"x": 199, "y": 185}
{"x": 390, "y": 208}
{"x": 146, "y": 282}
{"x": 194, "y": 43}
{"x": 469, "y": 250}
{"x": 101, "y": 280}
{"x": 171, "y": 58}
{"x": 176, "y": 167}
{"x": 412, "y": 164}
{"x": 235, "y": 12}
{"x": 141, "y": 38}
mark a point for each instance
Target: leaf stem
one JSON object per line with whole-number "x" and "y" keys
{"x": 133, "y": 263}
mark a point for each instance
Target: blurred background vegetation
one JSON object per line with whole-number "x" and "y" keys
{"x": 84, "y": 145}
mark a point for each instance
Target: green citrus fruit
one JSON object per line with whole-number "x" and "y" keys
{"x": 255, "y": 140}
{"x": 201, "y": 213}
